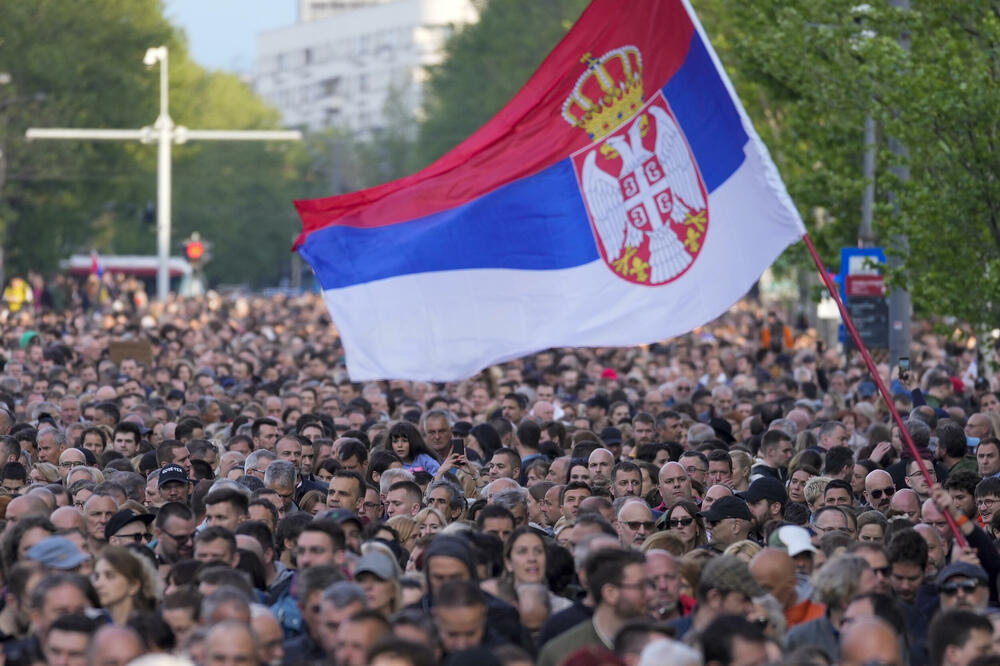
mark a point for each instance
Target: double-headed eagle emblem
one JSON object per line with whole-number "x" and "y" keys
{"x": 643, "y": 191}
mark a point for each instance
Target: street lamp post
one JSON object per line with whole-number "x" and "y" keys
{"x": 164, "y": 132}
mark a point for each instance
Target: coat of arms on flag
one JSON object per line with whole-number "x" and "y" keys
{"x": 640, "y": 182}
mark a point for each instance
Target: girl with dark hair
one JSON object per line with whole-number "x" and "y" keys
{"x": 407, "y": 443}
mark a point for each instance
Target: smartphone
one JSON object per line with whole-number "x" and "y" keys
{"x": 904, "y": 367}
{"x": 458, "y": 446}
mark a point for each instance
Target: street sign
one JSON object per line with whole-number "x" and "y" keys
{"x": 862, "y": 287}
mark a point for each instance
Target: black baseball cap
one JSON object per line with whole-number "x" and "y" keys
{"x": 123, "y": 518}
{"x": 611, "y": 435}
{"x": 768, "y": 488}
{"x": 727, "y": 507}
{"x": 172, "y": 473}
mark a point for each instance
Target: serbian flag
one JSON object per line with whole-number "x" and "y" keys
{"x": 621, "y": 197}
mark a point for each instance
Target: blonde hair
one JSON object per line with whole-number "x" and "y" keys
{"x": 405, "y": 527}
{"x": 430, "y": 511}
{"x": 48, "y": 471}
{"x": 745, "y": 550}
{"x": 742, "y": 460}
{"x": 667, "y": 541}
{"x": 815, "y": 488}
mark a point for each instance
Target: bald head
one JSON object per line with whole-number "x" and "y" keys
{"x": 800, "y": 417}
{"x": 774, "y": 570}
{"x": 115, "y": 645}
{"x": 879, "y": 489}
{"x": 869, "y": 640}
{"x": 26, "y": 505}
{"x": 68, "y": 518}
{"x": 908, "y": 502}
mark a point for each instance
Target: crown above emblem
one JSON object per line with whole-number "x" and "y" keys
{"x": 608, "y": 93}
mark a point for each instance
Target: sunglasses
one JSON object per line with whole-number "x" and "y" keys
{"x": 636, "y": 524}
{"x": 968, "y": 586}
{"x": 888, "y": 491}
{"x": 679, "y": 522}
{"x": 137, "y": 537}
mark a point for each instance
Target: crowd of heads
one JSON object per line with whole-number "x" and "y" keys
{"x": 200, "y": 481}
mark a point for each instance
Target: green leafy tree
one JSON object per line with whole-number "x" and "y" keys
{"x": 485, "y": 64}
{"x": 62, "y": 197}
{"x": 824, "y": 64}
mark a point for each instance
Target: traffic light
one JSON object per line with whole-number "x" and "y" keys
{"x": 194, "y": 250}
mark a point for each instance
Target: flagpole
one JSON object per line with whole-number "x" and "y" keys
{"x": 870, "y": 363}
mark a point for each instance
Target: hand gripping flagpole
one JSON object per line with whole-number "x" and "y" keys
{"x": 883, "y": 391}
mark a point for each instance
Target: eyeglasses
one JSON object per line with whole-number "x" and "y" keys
{"x": 967, "y": 586}
{"x": 986, "y": 503}
{"x": 888, "y": 491}
{"x": 636, "y": 524}
{"x": 674, "y": 523}
{"x": 136, "y": 536}
{"x": 70, "y": 464}
{"x": 918, "y": 473}
{"x": 180, "y": 538}
{"x": 371, "y": 506}
{"x": 694, "y": 468}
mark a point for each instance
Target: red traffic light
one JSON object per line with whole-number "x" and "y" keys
{"x": 194, "y": 250}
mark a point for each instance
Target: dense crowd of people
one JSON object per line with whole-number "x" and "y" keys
{"x": 200, "y": 481}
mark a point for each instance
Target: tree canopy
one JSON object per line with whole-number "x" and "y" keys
{"x": 80, "y": 65}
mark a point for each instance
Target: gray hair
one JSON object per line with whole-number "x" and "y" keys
{"x": 344, "y": 593}
{"x": 391, "y": 476}
{"x": 280, "y": 473}
{"x": 225, "y": 594}
{"x": 786, "y": 426}
{"x": 58, "y": 438}
{"x": 669, "y": 651}
{"x": 512, "y": 497}
{"x": 457, "y": 500}
{"x": 775, "y": 613}
{"x": 722, "y": 390}
{"x": 228, "y": 483}
{"x": 437, "y": 413}
{"x": 919, "y": 431}
{"x": 536, "y": 590}
{"x": 132, "y": 482}
{"x": 700, "y": 432}
{"x": 836, "y": 582}
{"x": 45, "y": 408}
{"x": 256, "y": 456}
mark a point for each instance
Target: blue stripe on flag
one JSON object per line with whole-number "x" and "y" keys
{"x": 710, "y": 121}
{"x": 537, "y": 223}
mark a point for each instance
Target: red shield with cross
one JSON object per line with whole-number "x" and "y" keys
{"x": 645, "y": 197}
